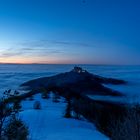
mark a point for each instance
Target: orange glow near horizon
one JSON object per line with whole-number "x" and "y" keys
{"x": 18, "y": 60}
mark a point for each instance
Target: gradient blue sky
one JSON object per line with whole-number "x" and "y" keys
{"x": 70, "y": 31}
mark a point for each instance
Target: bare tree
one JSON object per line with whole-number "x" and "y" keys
{"x": 127, "y": 127}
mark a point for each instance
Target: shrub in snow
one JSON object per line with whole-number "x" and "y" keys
{"x": 37, "y": 105}
{"x": 16, "y": 130}
{"x": 31, "y": 98}
{"x": 16, "y": 92}
{"x": 17, "y": 106}
{"x": 45, "y": 93}
{"x": 56, "y": 97}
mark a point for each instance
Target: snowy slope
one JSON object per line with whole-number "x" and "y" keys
{"x": 49, "y": 123}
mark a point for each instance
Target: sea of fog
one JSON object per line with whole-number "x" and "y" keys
{"x": 11, "y": 76}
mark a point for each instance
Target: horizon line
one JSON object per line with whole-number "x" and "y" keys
{"x": 69, "y": 64}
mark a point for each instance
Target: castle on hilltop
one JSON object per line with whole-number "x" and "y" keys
{"x": 78, "y": 70}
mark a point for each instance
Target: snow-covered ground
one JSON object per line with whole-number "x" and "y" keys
{"x": 48, "y": 123}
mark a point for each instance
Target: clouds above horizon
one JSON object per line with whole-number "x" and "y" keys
{"x": 40, "y": 47}
{"x": 43, "y": 50}
{"x": 58, "y": 51}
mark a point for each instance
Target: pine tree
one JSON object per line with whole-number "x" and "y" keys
{"x": 5, "y": 112}
{"x": 68, "y": 109}
{"x": 16, "y": 130}
{"x": 8, "y": 112}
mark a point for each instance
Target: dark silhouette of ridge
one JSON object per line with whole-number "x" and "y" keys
{"x": 77, "y": 81}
